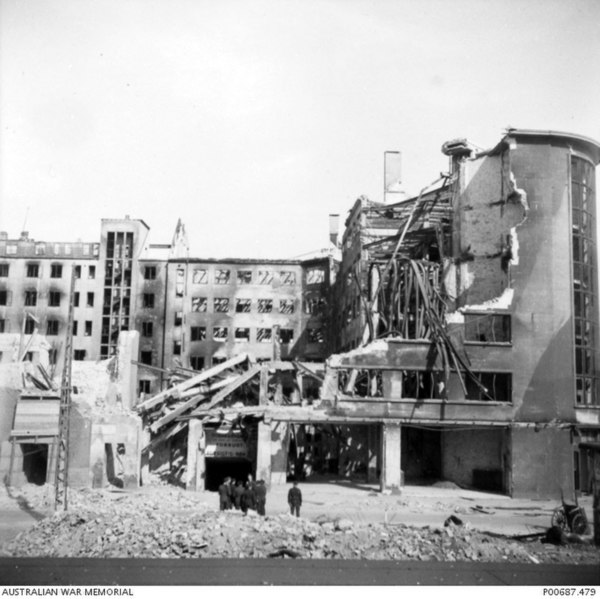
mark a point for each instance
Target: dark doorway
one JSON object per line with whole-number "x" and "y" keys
{"x": 114, "y": 463}
{"x": 217, "y": 469}
{"x": 35, "y": 462}
{"x": 421, "y": 455}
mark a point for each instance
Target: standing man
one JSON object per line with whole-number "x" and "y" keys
{"x": 260, "y": 493}
{"x": 248, "y": 499}
{"x": 224, "y": 495}
{"x": 238, "y": 491}
{"x": 295, "y": 499}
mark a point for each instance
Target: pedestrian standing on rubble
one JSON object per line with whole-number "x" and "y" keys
{"x": 248, "y": 498}
{"x": 238, "y": 491}
{"x": 224, "y": 495}
{"x": 230, "y": 487}
{"x": 295, "y": 499}
{"x": 261, "y": 497}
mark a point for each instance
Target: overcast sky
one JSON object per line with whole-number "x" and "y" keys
{"x": 252, "y": 120}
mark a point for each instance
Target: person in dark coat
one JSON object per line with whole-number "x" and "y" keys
{"x": 230, "y": 487}
{"x": 295, "y": 499}
{"x": 238, "y": 491}
{"x": 224, "y": 495}
{"x": 248, "y": 500}
{"x": 260, "y": 493}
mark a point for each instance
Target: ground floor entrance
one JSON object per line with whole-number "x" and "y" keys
{"x": 217, "y": 469}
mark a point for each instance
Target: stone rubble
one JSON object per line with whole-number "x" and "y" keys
{"x": 166, "y": 522}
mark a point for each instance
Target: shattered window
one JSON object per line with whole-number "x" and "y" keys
{"x": 54, "y": 298}
{"x": 287, "y": 277}
{"x": 92, "y": 272}
{"x": 79, "y": 354}
{"x": 244, "y": 277}
{"x": 52, "y": 327}
{"x": 286, "y": 306}
{"x": 265, "y": 306}
{"x": 315, "y": 276}
{"x": 487, "y": 328}
{"x": 29, "y": 326}
{"x": 222, "y": 276}
{"x": 242, "y": 305}
{"x": 56, "y": 271}
{"x": 148, "y": 300}
{"x": 221, "y": 304}
{"x": 78, "y": 271}
{"x": 146, "y": 357}
{"x": 178, "y": 320}
{"x": 493, "y": 386}
{"x": 180, "y": 282}
{"x": 144, "y": 386}
{"x": 315, "y": 335}
{"x": 4, "y": 268}
{"x": 220, "y": 333}
{"x": 199, "y": 304}
{"x": 40, "y": 249}
{"x": 31, "y": 298}
{"x": 198, "y": 333}
{"x": 263, "y": 335}
{"x": 197, "y": 362}
{"x": 313, "y": 303}
{"x": 4, "y": 298}
{"x": 150, "y": 273}
{"x": 147, "y": 328}
{"x": 200, "y": 276}
{"x": 88, "y": 328}
{"x": 242, "y": 334}
{"x": 265, "y": 277}
{"x": 90, "y": 299}
{"x": 286, "y": 335}
{"x": 176, "y": 348}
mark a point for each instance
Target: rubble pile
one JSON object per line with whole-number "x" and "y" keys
{"x": 176, "y": 524}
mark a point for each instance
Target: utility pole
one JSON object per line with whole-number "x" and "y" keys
{"x": 62, "y": 455}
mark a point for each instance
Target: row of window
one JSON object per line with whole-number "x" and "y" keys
{"x": 33, "y": 270}
{"x": 54, "y": 298}
{"x": 53, "y": 327}
{"x": 42, "y": 248}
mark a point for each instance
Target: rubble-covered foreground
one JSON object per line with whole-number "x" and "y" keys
{"x": 170, "y": 523}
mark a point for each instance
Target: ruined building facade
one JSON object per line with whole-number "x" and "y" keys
{"x": 456, "y": 339}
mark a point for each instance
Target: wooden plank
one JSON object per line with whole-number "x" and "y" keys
{"x": 244, "y": 378}
{"x": 155, "y": 426}
{"x": 170, "y": 432}
{"x": 192, "y": 382}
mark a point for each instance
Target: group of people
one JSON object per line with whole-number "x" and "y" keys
{"x": 253, "y": 496}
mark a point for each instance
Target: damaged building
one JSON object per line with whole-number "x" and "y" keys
{"x": 448, "y": 336}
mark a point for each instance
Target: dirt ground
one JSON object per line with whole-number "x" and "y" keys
{"x": 339, "y": 519}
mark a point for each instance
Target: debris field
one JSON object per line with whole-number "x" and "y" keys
{"x": 169, "y": 523}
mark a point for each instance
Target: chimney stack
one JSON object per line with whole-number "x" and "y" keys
{"x": 334, "y": 228}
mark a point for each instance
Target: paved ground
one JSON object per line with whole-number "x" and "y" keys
{"x": 169, "y": 572}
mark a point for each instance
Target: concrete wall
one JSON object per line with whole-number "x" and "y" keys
{"x": 464, "y": 451}
{"x": 542, "y": 463}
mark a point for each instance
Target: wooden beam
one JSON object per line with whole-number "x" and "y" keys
{"x": 192, "y": 382}
{"x": 155, "y": 426}
{"x": 243, "y": 378}
{"x": 164, "y": 436}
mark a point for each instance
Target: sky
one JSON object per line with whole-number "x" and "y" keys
{"x": 253, "y": 120}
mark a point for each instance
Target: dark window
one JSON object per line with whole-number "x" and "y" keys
{"x": 315, "y": 335}
{"x": 200, "y": 276}
{"x": 286, "y": 306}
{"x": 150, "y": 273}
{"x": 33, "y": 270}
{"x": 148, "y": 300}
{"x": 487, "y": 328}
{"x": 243, "y": 305}
{"x": 90, "y": 299}
{"x": 3, "y": 327}
{"x": 4, "y": 298}
{"x": 54, "y": 298}
{"x": 56, "y": 271}
{"x": 242, "y": 334}
{"x": 92, "y": 272}
{"x": 197, "y": 362}
{"x": 146, "y": 357}
{"x": 222, "y": 276}
{"x": 178, "y": 319}
{"x": 198, "y": 333}
{"x": 286, "y": 335}
{"x": 29, "y": 326}
{"x": 218, "y": 360}
{"x": 244, "y": 277}
{"x": 489, "y": 386}
{"x": 79, "y": 354}
{"x": 144, "y": 386}
{"x": 265, "y": 306}
{"x": 220, "y": 333}
{"x": 76, "y": 299}
{"x": 88, "y": 328}
{"x": 313, "y": 303}
{"x": 199, "y": 304}
{"x": 263, "y": 335}
{"x": 53, "y": 356}
{"x": 4, "y": 268}
{"x": 287, "y": 277}
{"x": 31, "y": 298}
{"x": 77, "y": 272}
{"x": 221, "y": 304}
{"x": 75, "y": 322}
{"x": 177, "y": 348}
{"x": 52, "y": 327}
{"x": 147, "y": 328}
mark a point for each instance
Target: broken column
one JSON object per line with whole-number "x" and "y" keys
{"x": 195, "y": 456}
{"x": 391, "y": 472}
